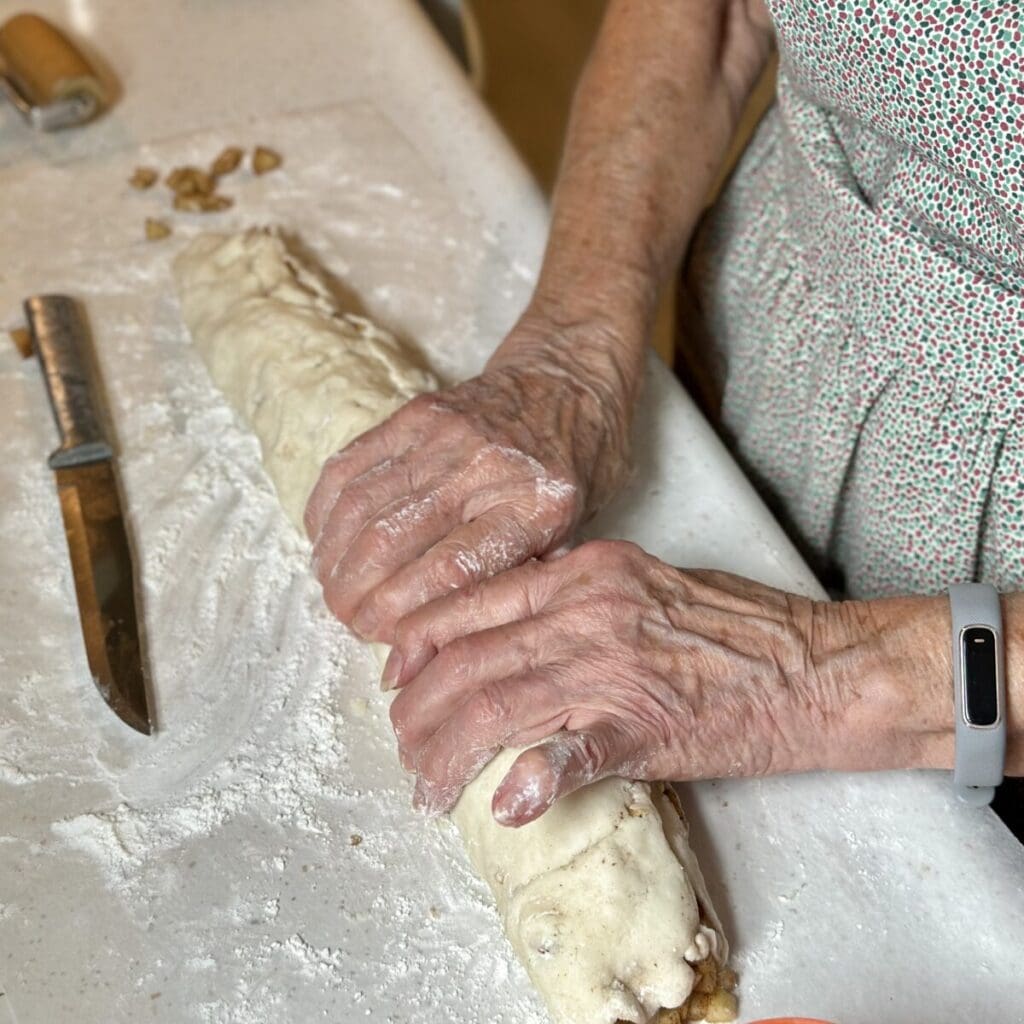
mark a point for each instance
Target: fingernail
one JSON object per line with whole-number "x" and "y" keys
{"x": 517, "y": 803}
{"x": 392, "y": 670}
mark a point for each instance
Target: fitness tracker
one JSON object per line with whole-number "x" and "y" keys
{"x": 979, "y": 691}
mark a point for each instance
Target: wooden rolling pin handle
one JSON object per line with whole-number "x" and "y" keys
{"x": 43, "y": 64}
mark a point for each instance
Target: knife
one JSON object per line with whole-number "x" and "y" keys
{"x": 90, "y": 504}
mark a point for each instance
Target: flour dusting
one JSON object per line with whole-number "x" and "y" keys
{"x": 216, "y": 858}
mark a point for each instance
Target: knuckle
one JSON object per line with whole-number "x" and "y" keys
{"x": 409, "y": 634}
{"x": 488, "y": 707}
{"x": 625, "y": 551}
{"x": 422, "y": 413}
{"x": 341, "y": 599}
{"x": 499, "y": 456}
{"x": 557, "y": 495}
{"x": 533, "y": 580}
{"x": 424, "y": 404}
{"x": 457, "y": 567}
{"x": 374, "y": 544}
{"x": 594, "y": 552}
{"x": 386, "y": 605}
{"x": 616, "y": 553}
{"x": 453, "y": 661}
{"x": 592, "y": 753}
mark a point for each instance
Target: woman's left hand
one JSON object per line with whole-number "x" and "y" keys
{"x": 624, "y": 665}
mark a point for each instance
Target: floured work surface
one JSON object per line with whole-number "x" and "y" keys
{"x": 257, "y": 860}
{"x": 598, "y": 901}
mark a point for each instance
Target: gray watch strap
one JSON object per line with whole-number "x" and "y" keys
{"x": 980, "y": 749}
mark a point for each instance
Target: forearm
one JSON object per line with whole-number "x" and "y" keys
{"x": 888, "y": 666}
{"x": 652, "y": 118}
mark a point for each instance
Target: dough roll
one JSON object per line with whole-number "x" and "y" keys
{"x": 601, "y": 897}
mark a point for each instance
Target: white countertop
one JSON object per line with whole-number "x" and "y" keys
{"x": 208, "y": 874}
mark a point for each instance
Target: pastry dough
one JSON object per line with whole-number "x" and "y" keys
{"x": 601, "y": 897}
{"x": 304, "y": 377}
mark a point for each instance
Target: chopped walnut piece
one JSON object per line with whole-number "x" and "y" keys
{"x": 228, "y": 161}
{"x": 355, "y": 839}
{"x": 144, "y": 177}
{"x": 202, "y": 203}
{"x": 156, "y": 229}
{"x": 214, "y": 204}
{"x": 22, "y": 341}
{"x": 675, "y": 1016}
{"x": 188, "y": 204}
{"x": 721, "y": 1008}
{"x": 697, "y": 1006}
{"x": 264, "y": 159}
{"x": 707, "y": 981}
{"x": 190, "y": 181}
{"x": 727, "y": 978}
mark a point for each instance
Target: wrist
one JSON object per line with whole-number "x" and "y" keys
{"x": 588, "y": 371}
{"x": 887, "y": 666}
{"x": 1013, "y": 617}
{"x": 605, "y": 347}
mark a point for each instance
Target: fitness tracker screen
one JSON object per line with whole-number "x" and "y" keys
{"x": 981, "y": 706}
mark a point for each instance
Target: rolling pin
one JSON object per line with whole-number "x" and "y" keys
{"x": 45, "y": 76}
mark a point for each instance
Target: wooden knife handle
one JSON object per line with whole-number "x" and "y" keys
{"x": 60, "y": 339}
{"x": 44, "y": 63}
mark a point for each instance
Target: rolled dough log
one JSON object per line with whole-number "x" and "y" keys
{"x": 601, "y": 898}
{"x": 304, "y": 377}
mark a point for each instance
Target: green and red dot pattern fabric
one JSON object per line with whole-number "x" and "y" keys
{"x": 862, "y": 281}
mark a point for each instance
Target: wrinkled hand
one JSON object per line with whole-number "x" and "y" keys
{"x": 629, "y": 666}
{"x": 459, "y": 485}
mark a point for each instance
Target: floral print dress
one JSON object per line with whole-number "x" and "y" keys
{"x": 862, "y": 279}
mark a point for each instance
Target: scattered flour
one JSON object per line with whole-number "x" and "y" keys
{"x": 221, "y": 847}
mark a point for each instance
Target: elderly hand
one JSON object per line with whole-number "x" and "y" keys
{"x": 462, "y": 484}
{"x": 630, "y": 667}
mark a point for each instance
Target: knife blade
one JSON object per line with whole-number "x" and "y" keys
{"x": 90, "y": 502}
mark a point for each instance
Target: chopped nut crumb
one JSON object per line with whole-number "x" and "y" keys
{"x": 721, "y": 1008}
{"x": 228, "y": 160}
{"x": 22, "y": 341}
{"x": 214, "y": 204}
{"x": 697, "y": 1006}
{"x": 188, "y": 204}
{"x": 355, "y": 839}
{"x": 675, "y": 1016}
{"x": 707, "y": 982}
{"x": 202, "y": 203}
{"x": 144, "y": 177}
{"x": 265, "y": 159}
{"x": 190, "y": 181}
{"x": 156, "y": 229}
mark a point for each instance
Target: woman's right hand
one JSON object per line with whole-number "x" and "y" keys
{"x": 467, "y": 482}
